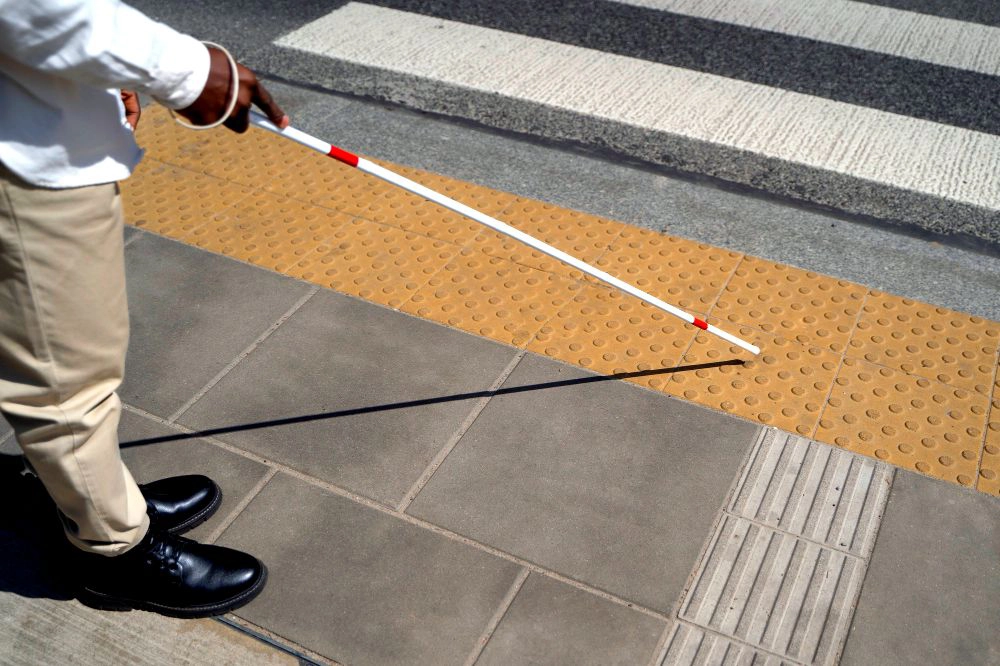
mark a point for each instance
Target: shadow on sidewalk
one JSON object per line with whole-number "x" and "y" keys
{"x": 32, "y": 544}
{"x": 474, "y": 395}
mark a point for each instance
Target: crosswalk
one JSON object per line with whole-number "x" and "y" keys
{"x": 941, "y": 41}
{"x": 885, "y": 113}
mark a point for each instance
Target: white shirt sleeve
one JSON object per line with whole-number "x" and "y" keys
{"x": 105, "y": 44}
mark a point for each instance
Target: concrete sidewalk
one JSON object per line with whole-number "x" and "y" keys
{"x": 424, "y": 495}
{"x": 576, "y": 518}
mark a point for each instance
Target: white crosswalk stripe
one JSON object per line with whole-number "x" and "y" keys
{"x": 861, "y": 159}
{"x": 874, "y": 145}
{"x": 858, "y": 25}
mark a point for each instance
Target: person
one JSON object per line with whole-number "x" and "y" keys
{"x": 69, "y": 74}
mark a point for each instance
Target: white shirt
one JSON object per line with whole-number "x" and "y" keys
{"x": 62, "y": 64}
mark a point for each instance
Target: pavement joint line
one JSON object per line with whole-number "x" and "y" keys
{"x": 725, "y": 284}
{"x": 718, "y": 296}
{"x": 498, "y": 617}
{"x": 243, "y": 354}
{"x": 783, "y": 532}
{"x": 303, "y": 654}
{"x": 846, "y": 353}
{"x": 994, "y": 397}
{"x": 243, "y": 504}
{"x": 459, "y": 433}
{"x": 840, "y": 366}
{"x": 201, "y": 174}
{"x": 663, "y": 644}
{"x": 405, "y": 517}
{"x": 461, "y": 248}
{"x": 660, "y": 649}
{"x": 732, "y": 639}
{"x": 454, "y": 536}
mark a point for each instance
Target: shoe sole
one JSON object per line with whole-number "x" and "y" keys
{"x": 106, "y": 602}
{"x": 200, "y": 517}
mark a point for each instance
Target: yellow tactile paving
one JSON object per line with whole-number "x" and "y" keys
{"x": 920, "y": 339}
{"x": 492, "y": 297}
{"x": 379, "y": 263}
{"x": 684, "y": 273}
{"x": 608, "y": 332}
{"x": 989, "y": 466}
{"x": 910, "y": 421}
{"x": 785, "y": 386}
{"x": 807, "y": 307}
{"x": 583, "y": 236}
{"x": 173, "y": 201}
{"x": 330, "y": 184}
{"x": 902, "y": 381}
{"x": 270, "y": 231}
{"x": 255, "y": 159}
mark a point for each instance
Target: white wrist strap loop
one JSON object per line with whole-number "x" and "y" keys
{"x": 234, "y": 77}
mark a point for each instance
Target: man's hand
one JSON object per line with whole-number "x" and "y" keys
{"x": 132, "y": 108}
{"x": 214, "y": 99}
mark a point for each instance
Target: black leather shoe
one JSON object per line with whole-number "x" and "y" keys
{"x": 181, "y": 503}
{"x": 173, "y": 576}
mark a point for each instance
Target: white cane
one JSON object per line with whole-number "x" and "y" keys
{"x": 416, "y": 188}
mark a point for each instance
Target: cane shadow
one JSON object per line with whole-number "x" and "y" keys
{"x": 408, "y": 404}
{"x": 33, "y": 548}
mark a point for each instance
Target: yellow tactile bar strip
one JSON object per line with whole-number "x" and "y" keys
{"x": 906, "y": 382}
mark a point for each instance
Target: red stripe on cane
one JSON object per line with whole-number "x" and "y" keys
{"x": 700, "y": 324}
{"x": 347, "y": 158}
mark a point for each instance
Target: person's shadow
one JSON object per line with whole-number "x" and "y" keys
{"x": 33, "y": 549}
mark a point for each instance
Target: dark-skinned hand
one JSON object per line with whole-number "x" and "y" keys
{"x": 132, "y": 108}
{"x": 214, "y": 99}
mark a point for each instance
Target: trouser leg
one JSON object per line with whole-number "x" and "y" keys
{"x": 63, "y": 338}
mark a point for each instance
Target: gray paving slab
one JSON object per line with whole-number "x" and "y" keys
{"x": 131, "y": 233}
{"x": 149, "y": 458}
{"x": 46, "y": 631}
{"x": 192, "y": 312}
{"x": 604, "y": 482}
{"x": 553, "y": 623}
{"x": 361, "y": 586}
{"x": 932, "y": 593}
{"x": 354, "y": 394}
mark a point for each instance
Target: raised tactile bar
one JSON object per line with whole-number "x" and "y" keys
{"x": 814, "y": 491}
{"x": 787, "y": 561}
{"x": 693, "y": 646}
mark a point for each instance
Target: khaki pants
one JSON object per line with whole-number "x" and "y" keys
{"x": 63, "y": 338}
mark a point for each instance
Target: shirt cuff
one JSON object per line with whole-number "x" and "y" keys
{"x": 191, "y": 57}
